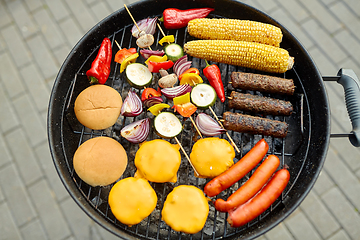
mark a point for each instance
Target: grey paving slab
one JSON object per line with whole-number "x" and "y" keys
{"x": 349, "y": 43}
{"x": 8, "y": 228}
{"x": 5, "y": 17}
{"x": 344, "y": 211}
{"x": 49, "y": 211}
{"x": 296, "y": 9}
{"x": 16, "y": 45}
{"x": 36, "y": 86}
{"x": 43, "y": 56}
{"x": 4, "y": 152}
{"x": 24, "y": 157}
{"x": 319, "y": 216}
{"x": 34, "y": 231}
{"x": 279, "y": 232}
{"x": 300, "y": 227}
{"x": 8, "y": 118}
{"x": 22, "y": 18}
{"x": 58, "y": 9}
{"x": 83, "y": 18}
{"x": 10, "y": 76}
{"x": 323, "y": 183}
{"x": 34, "y": 4}
{"x": 72, "y": 31}
{"x": 49, "y": 28}
{"x": 340, "y": 235}
{"x": 30, "y": 121}
{"x": 100, "y": 10}
{"x": 17, "y": 198}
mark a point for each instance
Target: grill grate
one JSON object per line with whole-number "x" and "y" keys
{"x": 153, "y": 227}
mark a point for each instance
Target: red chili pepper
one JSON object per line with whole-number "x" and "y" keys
{"x": 149, "y": 93}
{"x": 213, "y": 74}
{"x": 154, "y": 67}
{"x": 123, "y": 53}
{"x": 174, "y": 18}
{"x": 100, "y": 67}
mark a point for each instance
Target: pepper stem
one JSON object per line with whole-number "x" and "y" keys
{"x": 93, "y": 80}
{"x": 161, "y": 19}
{"x": 206, "y": 62}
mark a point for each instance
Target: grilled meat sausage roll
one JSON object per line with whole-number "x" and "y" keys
{"x": 259, "y": 104}
{"x": 254, "y": 125}
{"x": 262, "y": 83}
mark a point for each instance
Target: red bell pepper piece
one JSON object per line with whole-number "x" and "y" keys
{"x": 212, "y": 73}
{"x": 123, "y": 53}
{"x": 100, "y": 67}
{"x": 190, "y": 70}
{"x": 174, "y": 18}
{"x": 154, "y": 67}
{"x": 149, "y": 93}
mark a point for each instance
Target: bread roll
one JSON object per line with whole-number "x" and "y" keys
{"x": 98, "y": 107}
{"x": 100, "y": 161}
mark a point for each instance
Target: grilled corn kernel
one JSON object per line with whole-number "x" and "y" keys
{"x": 239, "y": 53}
{"x": 234, "y": 29}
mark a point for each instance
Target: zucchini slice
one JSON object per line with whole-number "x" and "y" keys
{"x": 174, "y": 51}
{"x": 167, "y": 125}
{"x": 203, "y": 95}
{"x": 138, "y": 75}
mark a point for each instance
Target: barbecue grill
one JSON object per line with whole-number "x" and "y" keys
{"x": 303, "y": 151}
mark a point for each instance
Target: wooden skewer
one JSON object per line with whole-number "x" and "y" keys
{"x": 118, "y": 45}
{"x": 197, "y": 129}
{"x": 133, "y": 20}
{"x": 227, "y": 134}
{"x": 187, "y": 157}
{"x": 161, "y": 29}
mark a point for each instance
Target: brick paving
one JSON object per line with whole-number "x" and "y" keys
{"x": 35, "y": 38}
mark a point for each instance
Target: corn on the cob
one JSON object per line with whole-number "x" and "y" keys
{"x": 240, "y": 53}
{"x": 234, "y": 29}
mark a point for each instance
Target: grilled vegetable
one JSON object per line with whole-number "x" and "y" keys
{"x": 154, "y": 67}
{"x": 174, "y": 51}
{"x": 190, "y": 78}
{"x": 167, "y": 39}
{"x": 175, "y": 18}
{"x": 157, "y": 108}
{"x": 240, "y": 53}
{"x": 207, "y": 125}
{"x": 262, "y": 201}
{"x": 176, "y": 91}
{"x": 254, "y": 125}
{"x": 251, "y": 186}
{"x": 145, "y": 40}
{"x": 203, "y": 96}
{"x": 183, "y": 106}
{"x": 132, "y": 105}
{"x": 100, "y": 67}
{"x": 168, "y": 81}
{"x": 213, "y": 74}
{"x": 130, "y": 59}
{"x": 123, "y": 53}
{"x": 259, "y": 104}
{"x": 137, "y": 131}
{"x": 234, "y": 29}
{"x": 147, "y": 26}
{"x": 262, "y": 83}
{"x": 190, "y": 70}
{"x": 238, "y": 170}
{"x": 149, "y": 93}
{"x": 138, "y": 75}
{"x": 167, "y": 125}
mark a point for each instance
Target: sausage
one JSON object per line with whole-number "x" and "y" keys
{"x": 259, "y": 104}
{"x": 262, "y": 201}
{"x": 251, "y": 187}
{"x": 254, "y": 125}
{"x": 238, "y": 170}
{"x": 262, "y": 83}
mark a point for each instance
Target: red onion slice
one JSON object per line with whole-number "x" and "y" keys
{"x": 207, "y": 125}
{"x": 152, "y": 101}
{"x": 132, "y": 105}
{"x": 176, "y": 91}
{"x": 146, "y": 53}
{"x": 148, "y": 25}
{"x": 136, "y": 132}
{"x": 181, "y": 65}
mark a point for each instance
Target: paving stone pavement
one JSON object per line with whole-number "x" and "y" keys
{"x": 35, "y": 38}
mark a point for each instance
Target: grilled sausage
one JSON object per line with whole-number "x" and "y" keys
{"x": 258, "y": 104}
{"x": 254, "y": 125}
{"x": 262, "y": 83}
{"x": 262, "y": 201}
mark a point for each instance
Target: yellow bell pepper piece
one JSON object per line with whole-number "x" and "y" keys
{"x": 156, "y": 109}
{"x": 127, "y": 61}
{"x": 182, "y": 99}
{"x": 167, "y": 39}
{"x": 155, "y": 58}
{"x": 191, "y": 78}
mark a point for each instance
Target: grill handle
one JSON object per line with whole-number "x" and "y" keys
{"x": 348, "y": 79}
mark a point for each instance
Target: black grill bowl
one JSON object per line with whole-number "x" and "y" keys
{"x": 303, "y": 151}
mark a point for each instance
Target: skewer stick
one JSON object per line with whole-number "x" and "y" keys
{"x": 227, "y": 134}
{"x": 118, "y": 45}
{"x": 195, "y": 126}
{"x": 133, "y": 20}
{"x": 187, "y": 157}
